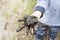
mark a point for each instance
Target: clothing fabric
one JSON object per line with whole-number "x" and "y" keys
{"x": 52, "y": 12}
{"x": 45, "y": 30}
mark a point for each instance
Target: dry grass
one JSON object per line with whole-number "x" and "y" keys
{"x": 10, "y": 12}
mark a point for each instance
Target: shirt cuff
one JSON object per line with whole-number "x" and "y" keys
{"x": 41, "y": 9}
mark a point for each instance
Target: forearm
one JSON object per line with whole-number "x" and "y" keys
{"x": 38, "y": 14}
{"x": 39, "y": 11}
{"x": 40, "y": 8}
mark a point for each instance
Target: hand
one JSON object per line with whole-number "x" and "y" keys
{"x": 38, "y": 14}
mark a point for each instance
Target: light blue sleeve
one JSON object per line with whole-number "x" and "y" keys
{"x": 42, "y": 5}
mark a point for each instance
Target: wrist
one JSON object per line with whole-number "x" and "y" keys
{"x": 37, "y": 14}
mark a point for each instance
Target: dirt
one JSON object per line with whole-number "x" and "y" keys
{"x": 10, "y": 12}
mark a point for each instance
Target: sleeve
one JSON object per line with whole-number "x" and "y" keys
{"x": 41, "y": 5}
